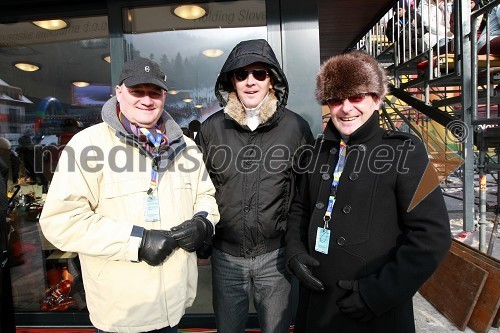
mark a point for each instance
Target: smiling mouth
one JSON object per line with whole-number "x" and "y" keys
{"x": 348, "y": 118}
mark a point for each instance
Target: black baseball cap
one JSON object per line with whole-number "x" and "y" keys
{"x": 143, "y": 71}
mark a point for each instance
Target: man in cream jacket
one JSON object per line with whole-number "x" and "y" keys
{"x": 132, "y": 198}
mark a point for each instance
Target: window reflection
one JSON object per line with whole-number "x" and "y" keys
{"x": 39, "y": 113}
{"x": 185, "y": 49}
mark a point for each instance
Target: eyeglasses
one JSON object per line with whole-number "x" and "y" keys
{"x": 358, "y": 98}
{"x": 258, "y": 74}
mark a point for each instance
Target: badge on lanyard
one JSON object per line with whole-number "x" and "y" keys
{"x": 151, "y": 203}
{"x": 322, "y": 240}
{"x": 151, "y": 208}
{"x": 323, "y": 233}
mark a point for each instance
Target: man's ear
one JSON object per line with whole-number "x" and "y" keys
{"x": 118, "y": 93}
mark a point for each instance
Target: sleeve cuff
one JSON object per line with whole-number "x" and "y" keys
{"x": 135, "y": 243}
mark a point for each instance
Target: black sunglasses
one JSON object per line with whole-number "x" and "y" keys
{"x": 358, "y": 98}
{"x": 258, "y": 74}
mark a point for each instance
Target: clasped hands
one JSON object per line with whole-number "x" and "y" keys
{"x": 352, "y": 305}
{"x": 157, "y": 245}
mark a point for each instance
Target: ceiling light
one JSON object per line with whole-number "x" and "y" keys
{"x": 198, "y": 106}
{"x": 27, "y": 67}
{"x": 213, "y": 53}
{"x": 173, "y": 92}
{"x": 107, "y": 58}
{"x": 80, "y": 84}
{"x": 51, "y": 24}
{"x": 190, "y": 12}
{"x": 187, "y": 98}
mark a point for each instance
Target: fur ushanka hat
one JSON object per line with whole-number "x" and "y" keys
{"x": 349, "y": 74}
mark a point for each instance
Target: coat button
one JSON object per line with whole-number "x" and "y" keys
{"x": 341, "y": 241}
{"x": 247, "y": 209}
{"x": 247, "y": 251}
{"x": 325, "y": 176}
{"x": 333, "y": 151}
{"x": 353, "y": 176}
{"x": 320, "y": 205}
{"x": 346, "y": 209}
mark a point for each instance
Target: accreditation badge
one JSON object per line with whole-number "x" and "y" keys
{"x": 322, "y": 240}
{"x": 151, "y": 208}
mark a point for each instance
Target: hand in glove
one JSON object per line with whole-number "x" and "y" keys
{"x": 192, "y": 234}
{"x": 299, "y": 265}
{"x": 353, "y": 305}
{"x": 156, "y": 246}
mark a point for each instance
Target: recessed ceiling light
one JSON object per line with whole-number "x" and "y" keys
{"x": 27, "y": 67}
{"x": 51, "y": 24}
{"x": 80, "y": 84}
{"x": 188, "y": 100}
{"x": 173, "y": 92}
{"x": 190, "y": 12}
{"x": 198, "y": 106}
{"x": 107, "y": 58}
{"x": 213, "y": 53}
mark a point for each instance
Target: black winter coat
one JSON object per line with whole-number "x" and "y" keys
{"x": 374, "y": 238}
{"x": 253, "y": 174}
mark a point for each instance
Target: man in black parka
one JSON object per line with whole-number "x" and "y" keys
{"x": 250, "y": 149}
{"x": 360, "y": 270}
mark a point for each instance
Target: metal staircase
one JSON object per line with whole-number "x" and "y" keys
{"x": 450, "y": 97}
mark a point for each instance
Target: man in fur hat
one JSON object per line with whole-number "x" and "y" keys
{"x": 353, "y": 240}
{"x": 250, "y": 147}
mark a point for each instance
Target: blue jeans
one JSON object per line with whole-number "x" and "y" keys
{"x": 161, "y": 330}
{"x": 236, "y": 279}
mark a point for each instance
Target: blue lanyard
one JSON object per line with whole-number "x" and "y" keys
{"x": 335, "y": 182}
{"x": 156, "y": 141}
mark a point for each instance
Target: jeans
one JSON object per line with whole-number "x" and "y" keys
{"x": 236, "y": 279}
{"x": 161, "y": 330}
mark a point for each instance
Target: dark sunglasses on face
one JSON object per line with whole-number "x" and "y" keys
{"x": 258, "y": 74}
{"x": 358, "y": 98}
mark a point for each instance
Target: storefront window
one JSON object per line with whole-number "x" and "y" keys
{"x": 57, "y": 92}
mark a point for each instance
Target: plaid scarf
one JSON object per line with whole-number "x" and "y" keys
{"x": 135, "y": 130}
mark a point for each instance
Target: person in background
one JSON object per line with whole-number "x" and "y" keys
{"x": 436, "y": 16}
{"x": 494, "y": 23}
{"x": 405, "y": 29}
{"x": 131, "y": 196}
{"x": 250, "y": 147}
{"x": 474, "y": 5}
{"x": 11, "y": 161}
{"x": 7, "y": 322}
{"x": 357, "y": 242}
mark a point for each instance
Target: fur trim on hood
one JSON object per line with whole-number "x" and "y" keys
{"x": 235, "y": 109}
{"x": 349, "y": 74}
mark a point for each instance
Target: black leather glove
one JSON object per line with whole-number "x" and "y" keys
{"x": 192, "y": 234}
{"x": 299, "y": 265}
{"x": 204, "y": 251}
{"x": 156, "y": 246}
{"x": 353, "y": 304}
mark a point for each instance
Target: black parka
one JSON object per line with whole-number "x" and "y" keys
{"x": 253, "y": 171}
{"x": 374, "y": 238}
